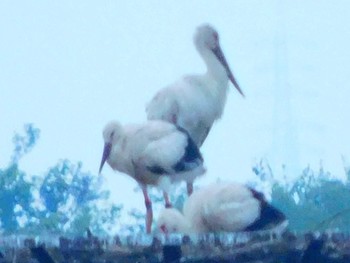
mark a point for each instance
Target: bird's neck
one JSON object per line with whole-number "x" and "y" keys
{"x": 215, "y": 69}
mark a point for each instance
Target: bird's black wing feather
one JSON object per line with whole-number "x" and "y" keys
{"x": 156, "y": 169}
{"x": 269, "y": 215}
{"x": 192, "y": 156}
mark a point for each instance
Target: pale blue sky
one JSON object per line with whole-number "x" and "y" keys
{"x": 71, "y": 66}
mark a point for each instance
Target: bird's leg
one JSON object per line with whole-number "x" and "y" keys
{"x": 167, "y": 201}
{"x": 149, "y": 212}
{"x": 189, "y": 188}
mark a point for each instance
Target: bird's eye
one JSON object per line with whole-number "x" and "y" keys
{"x": 112, "y": 135}
{"x": 163, "y": 228}
{"x": 216, "y": 36}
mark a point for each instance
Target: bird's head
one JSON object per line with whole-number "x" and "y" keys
{"x": 111, "y": 135}
{"x": 170, "y": 220}
{"x": 207, "y": 38}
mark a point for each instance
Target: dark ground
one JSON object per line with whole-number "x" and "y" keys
{"x": 237, "y": 248}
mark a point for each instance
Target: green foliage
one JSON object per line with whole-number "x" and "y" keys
{"x": 72, "y": 199}
{"x": 24, "y": 143}
{"x": 15, "y": 198}
{"x": 65, "y": 200}
{"x": 314, "y": 201}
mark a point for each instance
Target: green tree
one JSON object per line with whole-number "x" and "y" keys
{"x": 313, "y": 201}
{"x": 16, "y": 191}
{"x": 74, "y": 201}
{"x": 64, "y": 200}
{"x": 15, "y": 198}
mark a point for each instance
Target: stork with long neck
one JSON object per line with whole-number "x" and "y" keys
{"x": 195, "y": 102}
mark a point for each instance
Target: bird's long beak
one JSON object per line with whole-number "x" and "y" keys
{"x": 106, "y": 152}
{"x": 221, "y": 57}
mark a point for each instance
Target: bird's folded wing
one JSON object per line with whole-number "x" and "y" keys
{"x": 231, "y": 216}
{"x": 231, "y": 207}
{"x": 160, "y": 155}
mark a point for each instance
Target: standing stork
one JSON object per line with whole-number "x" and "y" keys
{"x": 156, "y": 153}
{"x": 195, "y": 102}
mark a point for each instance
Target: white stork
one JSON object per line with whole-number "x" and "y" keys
{"x": 222, "y": 207}
{"x": 195, "y": 102}
{"x": 156, "y": 153}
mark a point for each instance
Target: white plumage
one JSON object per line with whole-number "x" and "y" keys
{"x": 221, "y": 207}
{"x": 151, "y": 151}
{"x": 194, "y": 102}
{"x": 155, "y": 153}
